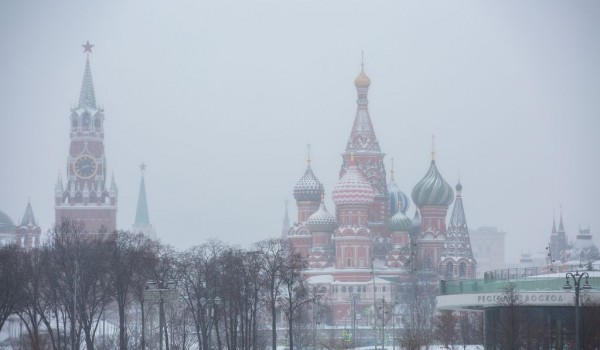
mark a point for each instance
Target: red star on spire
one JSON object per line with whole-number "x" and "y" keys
{"x": 87, "y": 47}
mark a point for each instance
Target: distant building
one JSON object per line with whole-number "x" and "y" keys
{"x": 488, "y": 248}
{"x": 26, "y": 235}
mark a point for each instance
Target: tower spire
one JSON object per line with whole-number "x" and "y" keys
{"x": 28, "y": 217}
{"x": 141, "y": 214}
{"x": 286, "y": 221}
{"x": 308, "y": 154}
{"x": 432, "y": 147}
{"x": 142, "y": 218}
{"x": 392, "y": 170}
{"x": 87, "y": 97}
{"x": 561, "y": 227}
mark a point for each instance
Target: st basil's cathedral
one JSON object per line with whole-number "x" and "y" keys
{"x": 366, "y": 249}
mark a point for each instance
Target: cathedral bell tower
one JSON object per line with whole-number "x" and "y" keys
{"x": 86, "y": 196}
{"x": 363, "y": 147}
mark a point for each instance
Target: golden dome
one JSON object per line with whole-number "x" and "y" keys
{"x": 362, "y": 80}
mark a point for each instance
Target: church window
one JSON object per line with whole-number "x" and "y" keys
{"x": 350, "y": 289}
{"x": 344, "y": 289}
{"x": 449, "y": 270}
{"x": 462, "y": 269}
{"x": 97, "y": 124}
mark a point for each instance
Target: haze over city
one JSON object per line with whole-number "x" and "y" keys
{"x": 221, "y": 98}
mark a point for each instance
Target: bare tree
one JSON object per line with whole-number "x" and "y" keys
{"x": 445, "y": 326}
{"x": 274, "y": 254}
{"x": 418, "y": 310}
{"x": 130, "y": 255}
{"x": 295, "y": 294}
{"x": 198, "y": 276}
{"x": 11, "y": 280}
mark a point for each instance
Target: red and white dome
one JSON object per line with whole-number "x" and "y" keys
{"x": 353, "y": 188}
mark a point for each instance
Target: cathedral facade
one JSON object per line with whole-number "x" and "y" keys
{"x": 363, "y": 251}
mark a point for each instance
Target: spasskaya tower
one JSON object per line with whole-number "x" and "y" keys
{"x": 86, "y": 196}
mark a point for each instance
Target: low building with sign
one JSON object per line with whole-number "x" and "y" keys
{"x": 528, "y": 307}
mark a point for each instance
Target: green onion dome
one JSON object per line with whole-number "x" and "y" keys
{"x": 400, "y": 222}
{"x": 432, "y": 190}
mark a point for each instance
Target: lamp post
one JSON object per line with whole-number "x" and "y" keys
{"x": 160, "y": 292}
{"x": 577, "y": 282}
{"x": 354, "y": 297}
{"x": 210, "y": 304}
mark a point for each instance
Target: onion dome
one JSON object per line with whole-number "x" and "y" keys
{"x": 400, "y": 222}
{"x": 308, "y": 188}
{"x": 321, "y": 220}
{"x": 353, "y": 188}
{"x": 398, "y": 200}
{"x": 362, "y": 80}
{"x": 432, "y": 190}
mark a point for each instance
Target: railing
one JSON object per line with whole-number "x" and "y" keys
{"x": 523, "y": 279}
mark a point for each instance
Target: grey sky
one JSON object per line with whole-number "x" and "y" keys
{"x": 220, "y": 99}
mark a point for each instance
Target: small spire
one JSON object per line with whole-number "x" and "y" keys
{"x": 113, "y": 184}
{"x": 28, "y": 217}
{"x": 141, "y": 214}
{"x": 433, "y": 147}
{"x": 553, "y": 221}
{"x": 286, "y": 221}
{"x": 362, "y": 59}
{"x": 392, "y": 170}
{"x": 561, "y": 227}
{"x": 308, "y": 154}
{"x": 143, "y": 167}
{"x": 59, "y": 184}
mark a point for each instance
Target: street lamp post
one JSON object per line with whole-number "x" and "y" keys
{"x": 577, "y": 282}
{"x": 160, "y": 292}
{"x": 210, "y": 304}
{"x": 353, "y": 298}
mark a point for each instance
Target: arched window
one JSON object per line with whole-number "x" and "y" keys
{"x": 343, "y": 289}
{"x": 97, "y": 124}
{"x": 449, "y": 270}
{"x": 348, "y": 254}
{"x": 85, "y": 121}
{"x": 462, "y": 269}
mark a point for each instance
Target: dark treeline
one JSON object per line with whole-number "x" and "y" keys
{"x": 152, "y": 296}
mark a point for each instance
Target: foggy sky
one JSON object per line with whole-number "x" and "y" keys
{"x": 220, "y": 99}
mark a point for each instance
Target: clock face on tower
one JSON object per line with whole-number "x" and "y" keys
{"x": 85, "y": 167}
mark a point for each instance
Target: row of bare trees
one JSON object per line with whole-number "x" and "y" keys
{"x": 63, "y": 291}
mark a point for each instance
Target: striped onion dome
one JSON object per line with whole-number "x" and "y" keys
{"x": 353, "y": 188}
{"x": 400, "y": 222}
{"x": 321, "y": 220}
{"x": 398, "y": 200}
{"x": 432, "y": 190}
{"x": 308, "y": 188}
